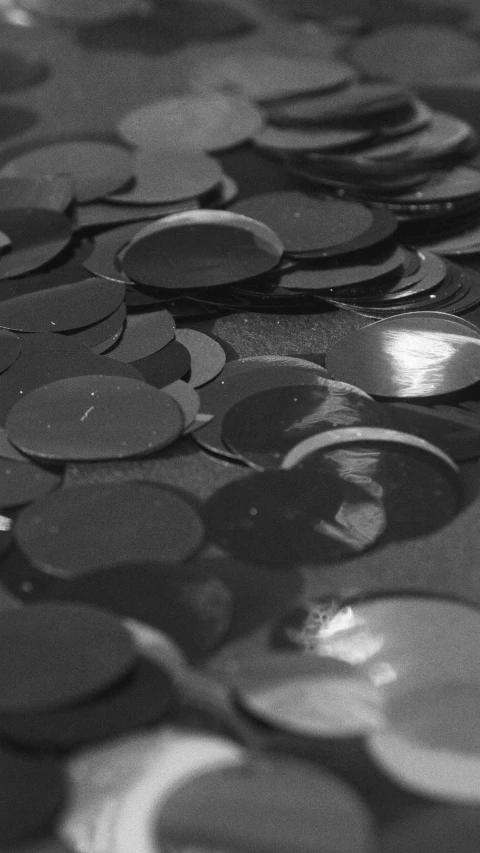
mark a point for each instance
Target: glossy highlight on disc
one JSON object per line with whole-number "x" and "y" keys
{"x": 59, "y": 654}
{"x": 165, "y": 528}
{"x": 202, "y": 249}
{"x": 295, "y": 517}
{"x": 94, "y": 417}
{"x": 408, "y": 357}
{"x": 262, "y": 428}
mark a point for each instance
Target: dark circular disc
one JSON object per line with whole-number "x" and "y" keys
{"x": 262, "y": 428}
{"x": 457, "y": 183}
{"x": 51, "y": 192}
{"x": 288, "y": 806}
{"x": 92, "y": 527}
{"x": 416, "y": 485}
{"x": 32, "y": 791}
{"x": 97, "y": 168}
{"x": 144, "y": 335}
{"x": 69, "y": 306}
{"x": 10, "y": 347}
{"x": 305, "y": 223}
{"x": 22, "y": 482}
{"x": 408, "y": 357}
{"x": 449, "y": 428}
{"x": 35, "y": 370}
{"x": 103, "y": 260}
{"x": 202, "y": 249}
{"x": 304, "y": 517}
{"x": 55, "y": 655}
{"x": 192, "y": 605}
{"x": 94, "y": 417}
{"x": 140, "y": 699}
{"x": 369, "y": 273}
{"x": 165, "y": 366}
{"x": 37, "y": 236}
{"x": 166, "y": 175}
{"x": 219, "y": 396}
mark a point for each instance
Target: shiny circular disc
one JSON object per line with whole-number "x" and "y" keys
{"x": 449, "y": 428}
{"x": 103, "y": 260}
{"x": 443, "y": 136}
{"x": 339, "y": 277}
{"x": 144, "y": 335}
{"x": 97, "y": 336}
{"x": 309, "y": 695}
{"x": 207, "y": 356}
{"x": 202, "y": 812}
{"x": 47, "y": 192}
{"x": 296, "y": 517}
{"x": 344, "y": 105}
{"x": 140, "y": 699}
{"x": 37, "y": 236}
{"x": 219, "y": 396}
{"x": 55, "y": 655}
{"x": 166, "y": 365}
{"x": 408, "y": 357}
{"x": 69, "y": 306}
{"x": 32, "y": 791}
{"x": 206, "y": 122}
{"x": 416, "y": 484}
{"x": 202, "y": 249}
{"x": 305, "y": 223}
{"x": 266, "y": 76}
{"x": 94, "y": 417}
{"x": 164, "y": 528}
{"x": 45, "y": 366}
{"x": 22, "y": 482}
{"x": 255, "y": 362}
{"x": 262, "y": 428}
{"x": 97, "y": 168}
{"x": 164, "y": 175}
{"x": 192, "y": 607}
{"x": 284, "y": 139}
{"x": 186, "y": 397}
{"x": 458, "y": 183}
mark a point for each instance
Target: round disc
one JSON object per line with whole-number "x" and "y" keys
{"x": 144, "y": 335}
{"x": 164, "y": 175}
{"x": 37, "y": 236}
{"x": 305, "y": 223}
{"x": 417, "y": 484}
{"x": 282, "y": 139}
{"x": 208, "y": 122}
{"x": 60, "y": 309}
{"x": 262, "y": 428}
{"x": 408, "y": 357}
{"x": 164, "y": 528}
{"x": 338, "y": 276}
{"x": 55, "y": 655}
{"x": 22, "y": 482}
{"x": 458, "y": 183}
{"x": 207, "y": 356}
{"x": 94, "y": 417}
{"x": 296, "y": 519}
{"x": 166, "y": 365}
{"x": 103, "y": 260}
{"x": 97, "y": 168}
{"x": 202, "y": 249}
{"x": 309, "y": 695}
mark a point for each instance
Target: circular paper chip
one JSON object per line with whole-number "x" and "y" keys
{"x": 296, "y": 517}
{"x": 282, "y": 139}
{"x": 32, "y": 790}
{"x": 94, "y": 417}
{"x": 305, "y": 223}
{"x": 22, "y": 482}
{"x": 202, "y": 249}
{"x": 164, "y": 528}
{"x": 32, "y": 371}
{"x": 10, "y": 346}
{"x": 309, "y": 695}
{"x": 208, "y": 122}
{"x": 192, "y": 607}
{"x": 60, "y": 309}
{"x": 207, "y": 356}
{"x": 235, "y": 383}
{"x": 202, "y": 812}
{"x": 266, "y": 76}
{"x": 141, "y": 698}
{"x": 164, "y": 175}
{"x": 97, "y": 168}
{"x": 262, "y": 428}
{"x": 408, "y": 357}
{"x": 37, "y": 236}
{"x": 416, "y": 484}
{"x": 56, "y": 655}
{"x": 144, "y": 335}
